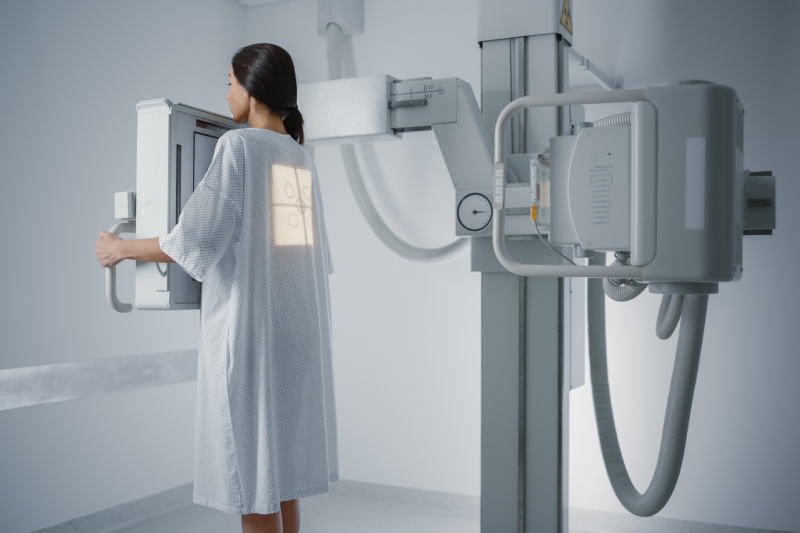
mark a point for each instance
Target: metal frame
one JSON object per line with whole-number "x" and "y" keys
{"x": 609, "y": 83}
{"x": 498, "y": 231}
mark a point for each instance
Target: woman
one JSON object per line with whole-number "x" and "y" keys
{"x": 253, "y": 232}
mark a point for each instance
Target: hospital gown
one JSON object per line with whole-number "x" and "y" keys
{"x": 253, "y": 232}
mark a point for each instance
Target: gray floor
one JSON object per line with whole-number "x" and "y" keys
{"x": 350, "y": 506}
{"x": 355, "y": 507}
{"x": 332, "y": 512}
{"x": 327, "y": 513}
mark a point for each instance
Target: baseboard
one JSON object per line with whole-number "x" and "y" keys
{"x": 591, "y": 521}
{"x": 126, "y": 514}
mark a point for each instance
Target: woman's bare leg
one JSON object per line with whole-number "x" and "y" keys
{"x": 262, "y": 523}
{"x": 290, "y": 513}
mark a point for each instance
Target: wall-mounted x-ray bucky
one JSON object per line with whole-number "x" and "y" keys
{"x": 175, "y": 144}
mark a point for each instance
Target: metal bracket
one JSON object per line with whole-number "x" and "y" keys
{"x": 760, "y": 197}
{"x": 408, "y": 103}
{"x": 609, "y": 83}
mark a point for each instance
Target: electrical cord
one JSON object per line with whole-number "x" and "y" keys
{"x": 536, "y": 225}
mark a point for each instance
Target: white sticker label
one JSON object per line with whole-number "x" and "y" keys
{"x": 695, "y": 207}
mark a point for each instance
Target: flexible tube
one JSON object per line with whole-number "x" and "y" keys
{"x": 622, "y": 290}
{"x": 620, "y": 119}
{"x": 334, "y": 55}
{"x": 668, "y": 315}
{"x": 356, "y": 181}
{"x": 679, "y": 404}
{"x": 384, "y": 233}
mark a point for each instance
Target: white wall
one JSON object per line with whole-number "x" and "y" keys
{"x": 72, "y": 74}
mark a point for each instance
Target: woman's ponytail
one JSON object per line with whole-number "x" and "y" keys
{"x": 266, "y": 72}
{"x": 293, "y": 122}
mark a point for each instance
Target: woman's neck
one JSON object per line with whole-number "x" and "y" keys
{"x": 264, "y": 119}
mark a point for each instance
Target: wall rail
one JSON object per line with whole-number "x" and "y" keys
{"x": 35, "y": 385}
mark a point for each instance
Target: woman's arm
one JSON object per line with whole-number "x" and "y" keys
{"x": 111, "y": 249}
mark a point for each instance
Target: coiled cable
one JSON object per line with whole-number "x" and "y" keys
{"x": 620, "y": 119}
{"x": 622, "y": 290}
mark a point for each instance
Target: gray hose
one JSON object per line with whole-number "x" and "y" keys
{"x": 668, "y": 315}
{"x": 620, "y": 119}
{"x": 365, "y": 205}
{"x": 389, "y": 238}
{"x": 679, "y": 404}
{"x": 334, "y": 54}
{"x": 622, "y": 290}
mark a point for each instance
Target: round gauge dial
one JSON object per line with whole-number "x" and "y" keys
{"x": 474, "y": 211}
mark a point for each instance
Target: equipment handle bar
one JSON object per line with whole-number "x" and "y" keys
{"x": 111, "y": 272}
{"x": 498, "y": 231}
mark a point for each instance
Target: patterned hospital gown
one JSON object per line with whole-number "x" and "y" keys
{"x": 253, "y": 232}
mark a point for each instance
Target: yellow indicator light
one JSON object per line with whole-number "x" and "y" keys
{"x": 533, "y": 213}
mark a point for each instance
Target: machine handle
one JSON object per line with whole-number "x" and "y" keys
{"x": 111, "y": 272}
{"x": 499, "y": 185}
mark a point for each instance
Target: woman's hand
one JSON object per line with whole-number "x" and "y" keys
{"x": 107, "y": 249}
{"x": 111, "y": 249}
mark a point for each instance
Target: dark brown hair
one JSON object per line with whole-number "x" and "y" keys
{"x": 266, "y": 72}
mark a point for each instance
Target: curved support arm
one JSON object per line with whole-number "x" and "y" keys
{"x": 498, "y": 232}
{"x": 355, "y": 179}
{"x": 111, "y": 272}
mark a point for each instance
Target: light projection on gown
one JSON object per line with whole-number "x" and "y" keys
{"x": 291, "y": 206}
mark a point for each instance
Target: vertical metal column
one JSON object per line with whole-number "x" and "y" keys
{"x": 521, "y": 438}
{"x": 518, "y": 69}
{"x": 523, "y": 393}
{"x": 502, "y": 503}
{"x": 524, "y": 401}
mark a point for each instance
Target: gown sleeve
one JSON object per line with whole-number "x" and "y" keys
{"x": 209, "y": 224}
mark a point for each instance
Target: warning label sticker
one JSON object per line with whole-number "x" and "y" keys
{"x": 566, "y": 16}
